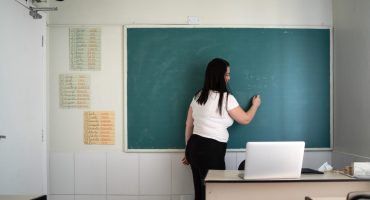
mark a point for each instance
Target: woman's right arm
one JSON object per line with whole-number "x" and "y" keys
{"x": 245, "y": 117}
{"x": 188, "y": 131}
{"x": 189, "y": 125}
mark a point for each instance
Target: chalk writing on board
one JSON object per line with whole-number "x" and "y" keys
{"x": 84, "y": 48}
{"x": 99, "y": 127}
{"x": 74, "y": 91}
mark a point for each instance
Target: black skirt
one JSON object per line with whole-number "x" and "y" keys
{"x": 205, "y": 153}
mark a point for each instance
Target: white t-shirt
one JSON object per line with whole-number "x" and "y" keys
{"x": 207, "y": 120}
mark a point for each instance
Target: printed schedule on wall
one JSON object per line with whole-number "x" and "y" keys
{"x": 74, "y": 91}
{"x": 99, "y": 127}
{"x": 85, "y": 49}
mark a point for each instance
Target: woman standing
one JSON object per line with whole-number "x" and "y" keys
{"x": 212, "y": 110}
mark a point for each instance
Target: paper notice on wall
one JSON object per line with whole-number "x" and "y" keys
{"x": 74, "y": 91}
{"x": 85, "y": 48}
{"x": 99, "y": 127}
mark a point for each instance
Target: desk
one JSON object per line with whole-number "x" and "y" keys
{"x": 326, "y": 198}
{"x": 226, "y": 184}
{"x": 18, "y": 197}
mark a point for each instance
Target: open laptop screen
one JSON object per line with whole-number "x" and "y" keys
{"x": 274, "y": 160}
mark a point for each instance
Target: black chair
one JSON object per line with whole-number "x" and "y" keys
{"x": 43, "y": 197}
{"x": 358, "y": 195}
{"x": 241, "y": 165}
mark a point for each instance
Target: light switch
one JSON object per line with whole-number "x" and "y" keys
{"x": 193, "y": 20}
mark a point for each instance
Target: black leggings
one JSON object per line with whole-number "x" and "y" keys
{"x": 204, "y": 154}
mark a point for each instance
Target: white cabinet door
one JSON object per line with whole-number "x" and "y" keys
{"x": 22, "y": 101}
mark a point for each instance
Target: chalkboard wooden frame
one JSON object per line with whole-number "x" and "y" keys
{"x": 241, "y": 148}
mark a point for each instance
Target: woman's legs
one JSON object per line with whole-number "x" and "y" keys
{"x": 204, "y": 154}
{"x": 198, "y": 180}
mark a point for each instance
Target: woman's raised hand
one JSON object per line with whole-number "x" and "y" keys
{"x": 256, "y": 101}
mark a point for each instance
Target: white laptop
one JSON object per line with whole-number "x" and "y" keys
{"x": 274, "y": 160}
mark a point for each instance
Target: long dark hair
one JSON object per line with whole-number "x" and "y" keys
{"x": 214, "y": 80}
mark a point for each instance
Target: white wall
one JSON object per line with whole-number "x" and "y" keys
{"x": 105, "y": 172}
{"x": 251, "y": 12}
{"x": 351, "y": 80}
{"x": 66, "y": 125}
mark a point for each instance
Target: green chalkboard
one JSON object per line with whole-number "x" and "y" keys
{"x": 288, "y": 67}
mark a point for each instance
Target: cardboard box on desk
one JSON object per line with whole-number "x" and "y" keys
{"x": 361, "y": 169}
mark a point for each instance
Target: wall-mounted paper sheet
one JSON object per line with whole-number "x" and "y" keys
{"x": 85, "y": 49}
{"x": 74, "y": 91}
{"x": 99, "y": 127}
